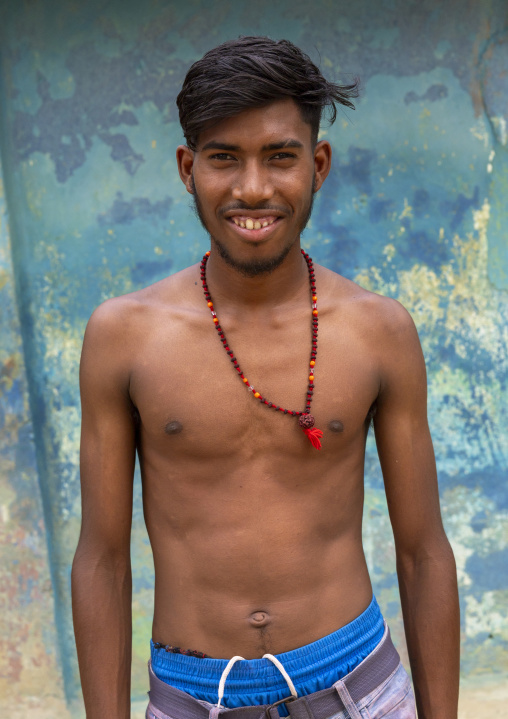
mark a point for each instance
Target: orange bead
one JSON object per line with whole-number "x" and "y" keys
{"x": 207, "y": 253}
{"x": 312, "y": 363}
{"x": 314, "y": 298}
{"x": 210, "y": 304}
{"x": 216, "y": 320}
{"x": 315, "y": 313}
{"x": 246, "y": 380}
{"x": 257, "y": 395}
{"x": 311, "y": 378}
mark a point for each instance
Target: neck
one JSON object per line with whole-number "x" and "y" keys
{"x": 283, "y": 285}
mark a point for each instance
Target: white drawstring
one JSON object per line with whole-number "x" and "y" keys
{"x": 214, "y": 712}
{"x": 224, "y": 676}
{"x": 283, "y": 672}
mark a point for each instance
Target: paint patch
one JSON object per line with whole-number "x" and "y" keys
{"x": 124, "y": 212}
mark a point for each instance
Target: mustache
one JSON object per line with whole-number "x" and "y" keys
{"x": 243, "y": 206}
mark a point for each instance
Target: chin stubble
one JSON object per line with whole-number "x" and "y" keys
{"x": 252, "y": 268}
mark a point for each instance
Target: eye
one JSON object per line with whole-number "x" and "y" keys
{"x": 283, "y": 156}
{"x": 221, "y": 156}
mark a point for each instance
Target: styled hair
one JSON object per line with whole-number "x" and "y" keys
{"x": 251, "y": 72}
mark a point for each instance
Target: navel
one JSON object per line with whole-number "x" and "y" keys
{"x": 173, "y": 427}
{"x": 335, "y": 425}
{"x": 259, "y": 619}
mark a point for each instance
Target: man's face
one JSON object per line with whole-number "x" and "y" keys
{"x": 253, "y": 178}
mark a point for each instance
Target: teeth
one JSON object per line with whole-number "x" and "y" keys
{"x": 251, "y": 224}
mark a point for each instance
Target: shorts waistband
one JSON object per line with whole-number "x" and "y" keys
{"x": 310, "y": 667}
{"x": 344, "y": 693}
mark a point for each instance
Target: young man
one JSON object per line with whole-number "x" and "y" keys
{"x": 247, "y": 384}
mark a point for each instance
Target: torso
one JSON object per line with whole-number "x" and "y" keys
{"x": 256, "y": 535}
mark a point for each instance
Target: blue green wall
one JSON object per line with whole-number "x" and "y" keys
{"x": 92, "y": 206}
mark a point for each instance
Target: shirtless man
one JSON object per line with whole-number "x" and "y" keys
{"x": 256, "y": 533}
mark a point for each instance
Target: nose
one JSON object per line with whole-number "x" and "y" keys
{"x": 253, "y": 184}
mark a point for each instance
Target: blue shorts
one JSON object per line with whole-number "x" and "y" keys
{"x": 254, "y": 682}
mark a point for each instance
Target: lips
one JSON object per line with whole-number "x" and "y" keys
{"x": 254, "y": 229}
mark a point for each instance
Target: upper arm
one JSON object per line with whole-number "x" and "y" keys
{"x": 108, "y": 437}
{"x": 403, "y": 437}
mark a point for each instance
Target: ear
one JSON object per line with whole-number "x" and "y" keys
{"x": 322, "y": 162}
{"x": 185, "y": 162}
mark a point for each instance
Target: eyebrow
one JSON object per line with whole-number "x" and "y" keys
{"x": 225, "y": 147}
{"x": 215, "y": 145}
{"x": 282, "y": 144}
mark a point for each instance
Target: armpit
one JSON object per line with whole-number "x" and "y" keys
{"x": 372, "y": 412}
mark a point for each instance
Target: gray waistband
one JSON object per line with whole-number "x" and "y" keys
{"x": 368, "y": 675}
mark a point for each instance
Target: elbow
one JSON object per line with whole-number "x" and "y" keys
{"x": 98, "y": 562}
{"x": 434, "y": 552}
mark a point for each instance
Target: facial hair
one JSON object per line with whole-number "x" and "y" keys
{"x": 254, "y": 267}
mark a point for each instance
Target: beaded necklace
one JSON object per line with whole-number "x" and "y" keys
{"x": 305, "y": 419}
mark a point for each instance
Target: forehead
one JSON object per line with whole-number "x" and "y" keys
{"x": 260, "y": 126}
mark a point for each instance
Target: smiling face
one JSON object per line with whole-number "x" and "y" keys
{"x": 253, "y": 177}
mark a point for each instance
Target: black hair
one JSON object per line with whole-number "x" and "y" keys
{"x": 252, "y": 72}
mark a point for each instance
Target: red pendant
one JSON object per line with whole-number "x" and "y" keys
{"x": 306, "y": 422}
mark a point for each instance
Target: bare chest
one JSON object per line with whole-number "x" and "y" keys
{"x": 192, "y": 401}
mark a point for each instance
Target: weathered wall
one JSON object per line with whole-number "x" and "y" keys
{"x": 414, "y": 208}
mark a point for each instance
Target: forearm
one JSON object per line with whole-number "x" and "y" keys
{"x": 101, "y": 606}
{"x": 430, "y": 607}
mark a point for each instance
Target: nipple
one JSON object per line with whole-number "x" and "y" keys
{"x": 173, "y": 427}
{"x": 336, "y": 425}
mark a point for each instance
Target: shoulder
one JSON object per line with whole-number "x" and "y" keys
{"x": 383, "y": 317}
{"x": 128, "y": 316}
{"x": 106, "y": 356}
{"x": 390, "y": 337}
{"x": 116, "y": 315}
